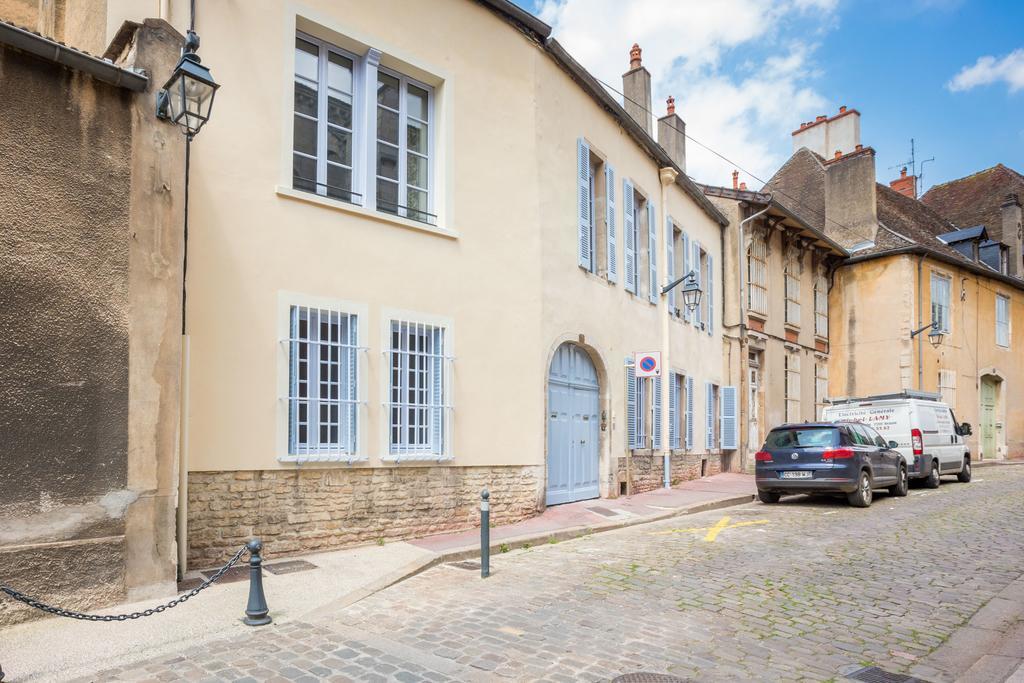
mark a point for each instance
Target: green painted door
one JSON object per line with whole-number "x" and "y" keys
{"x": 988, "y": 418}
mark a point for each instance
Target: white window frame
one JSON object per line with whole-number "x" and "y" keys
{"x": 757, "y": 274}
{"x": 820, "y": 305}
{"x": 353, "y": 451}
{"x": 403, "y": 450}
{"x": 820, "y": 386}
{"x": 792, "y": 386}
{"x": 791, "y": 279}
{"x": 403, "y": 146}
{"x": 939, "y": 281}
{"x": 1003, "y": 329}
{"x": 643, "y": 412}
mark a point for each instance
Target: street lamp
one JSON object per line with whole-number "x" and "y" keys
{"x": 187, "y": 97}
{"x": 691, "y": 290}
{"x": 935, "y": 333}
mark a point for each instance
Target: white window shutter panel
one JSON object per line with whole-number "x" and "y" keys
{"x": 687, "y": 266}
{"x": 711, "y": 295}
{"x": 727, "y": 430}
{"x": 689, "y": 413}
{"x": 673, "y": 411}
{"x": 437, "y": 392}
{"x": 583, "y": 192}
{"x": 709, "y": 416}
{"x": 652, "y": 251}
{"x": 629, "y": 232}
{"x": 353, "y": 383}
{"x": 670, "y": 267}
{"x": 656, "y": 436}
{"x": 630, "y": 404}
{"x": 613, "y": 255}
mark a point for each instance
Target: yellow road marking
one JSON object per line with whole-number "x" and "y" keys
{"x": 713, "y": 531}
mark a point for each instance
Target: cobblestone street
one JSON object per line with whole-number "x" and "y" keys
{"x": 802, "y": 590}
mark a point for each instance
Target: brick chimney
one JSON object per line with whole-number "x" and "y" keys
{"x": 672, "y": 134}
{"x": 735, "y": 180}
{"x": 906, "y": 185}
{"x": 1013, "y": 233}
{"x": 826, "y": 134}
{"x": 636, "y": 86}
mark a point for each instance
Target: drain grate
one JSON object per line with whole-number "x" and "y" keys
{"x": 289, "y": 567}
{"x": 604, "y": 512}
{"x": 649, "y": 677}
{"x": 231, "y": 575}
{"x": 872, "y": 674}
{"x": 466, "y": 564}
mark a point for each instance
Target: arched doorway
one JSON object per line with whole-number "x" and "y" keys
{"x": 988, "y": 417}
{"x": 573, "y": 426}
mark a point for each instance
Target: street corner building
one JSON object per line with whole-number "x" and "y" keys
{"x": 931, "y": 296}
{"x": 90, "y": 306}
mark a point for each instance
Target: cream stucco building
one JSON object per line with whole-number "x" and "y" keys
{"x": 422, "y": 255}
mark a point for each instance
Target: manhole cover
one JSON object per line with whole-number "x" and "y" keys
{"x": 605, "y": 512}
{"x": 872, "y": 674}
{"x": 648, "y": 677}
{"x": 289, "y": 567}
{"x": 467, "y": 564}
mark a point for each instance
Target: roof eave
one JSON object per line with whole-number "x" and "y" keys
{"x": 918, "y": 249}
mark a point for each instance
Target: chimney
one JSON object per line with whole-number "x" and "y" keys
{"x": 1013, "y": 234}
{"x": 826, "y": 134}
{"x": 906, "y": 185}
{"x": 636, "y": 86}
{"x": 851, "y": 212}
{"x": 672, "y": 133}
{"x": 743, "y": 186}
{"x": 735, "y": 180}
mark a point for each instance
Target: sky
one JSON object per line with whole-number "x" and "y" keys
{"x": 745, "y": 73}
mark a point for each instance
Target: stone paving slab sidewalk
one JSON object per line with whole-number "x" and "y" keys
{"x": 62, "y": 649}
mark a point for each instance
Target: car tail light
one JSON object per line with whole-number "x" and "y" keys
{"x": 916, "y": 441}
{"x": 763, "y": 456}
{"x": 837, "y": 454}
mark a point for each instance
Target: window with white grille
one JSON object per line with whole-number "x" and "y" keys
{"x": 419, "y": 389}
{"x": 792, "y": 280}
{"x": 1002, "y": 320}
{"x": 820, "y": 387}
{"x": 642, "y": 412}
{"x": 940, "y": 288}
{"x": 323, "y": 380}
{"x": 792, "y": 387}
{"x": 820, "y": 305}
{"x": 757, "y": 274}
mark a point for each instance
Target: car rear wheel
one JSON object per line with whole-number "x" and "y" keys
{"x": 964, "y": 475}
{"x": 900, "y": 489}
{"x": 933, "y": 479}
{"x": 769, "y": 497}
{"x": 861, "y": 498}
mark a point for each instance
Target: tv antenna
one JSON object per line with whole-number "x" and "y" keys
{"x": 916, "y": 167}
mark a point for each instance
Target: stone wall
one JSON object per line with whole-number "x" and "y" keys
{"x": 647, "y": 472}
{"x": 310, "y": 510}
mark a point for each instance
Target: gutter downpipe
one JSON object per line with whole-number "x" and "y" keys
{"x": 743, "y": 327}
{"x": 920, "y": 344}
{"x": 667, "y": 176}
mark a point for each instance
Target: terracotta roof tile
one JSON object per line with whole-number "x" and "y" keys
{"x": 975, "y": 199}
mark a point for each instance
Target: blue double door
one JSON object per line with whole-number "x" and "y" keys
{"x": 573, "y": 427}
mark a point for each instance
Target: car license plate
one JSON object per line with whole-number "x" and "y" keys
{"x": 797, "y": 475}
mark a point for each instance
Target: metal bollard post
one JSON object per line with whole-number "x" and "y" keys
{"x": 485, "y": 534}
{"x": 256, "y": 612}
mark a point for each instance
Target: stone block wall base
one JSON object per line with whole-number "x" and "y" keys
{"x": 313, "y": 510}
{"x": 647, "y": 472}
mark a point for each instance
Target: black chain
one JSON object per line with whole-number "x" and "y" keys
{"x": 60, "y": 612}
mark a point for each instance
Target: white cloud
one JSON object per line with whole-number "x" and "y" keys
{"x": 745, "y": 113}
{"x": 988, "y": 70}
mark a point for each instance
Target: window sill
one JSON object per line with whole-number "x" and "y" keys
{"x": 415, "y": 457}
{"x": 331, "y": 458}
{"x": 795, "y": 327}
{"x": 357, "y": 210}
{"x": 763, "y": 317}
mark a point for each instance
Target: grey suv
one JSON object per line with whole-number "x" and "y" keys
{"x": 829, "y": 457}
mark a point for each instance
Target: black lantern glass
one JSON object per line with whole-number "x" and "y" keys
{"x": 691, "y": 293}
{"x": 935, "y": 335}
{"x": 187, "y": 97}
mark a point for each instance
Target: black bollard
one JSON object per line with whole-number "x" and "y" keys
{"x": 256, "y": 612}
{"x": 485, "y": 534}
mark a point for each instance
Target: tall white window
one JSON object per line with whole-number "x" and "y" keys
{"x": 323, "y": 382}
{"x": 940, "y": 301}
{"x": 642, "y": 411}
{"x": 820, "y": 305}
{"x": 820, "y": 387}
{"x": 403, "y": 146}
{"x": 419, "y": 410}
{"x": 792, "y": 281}
{"x": 757, "y": 274}
{"x": 1002, "y": 320}
{"x": 792, "y": 361}
{"x": 322, "y": 150}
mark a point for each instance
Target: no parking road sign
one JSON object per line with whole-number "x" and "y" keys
{"x": 647, "y": 364}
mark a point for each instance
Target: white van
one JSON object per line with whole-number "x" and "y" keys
{"x": 917, "y": 424}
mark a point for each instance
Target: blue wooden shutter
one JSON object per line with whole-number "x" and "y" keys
{"x": 613, "y": 256}
{"x": 630, "y": 404}
{"x": 689, "y": 413}
{"x": 673, "y": 411}
{"x": 698, "y": 316}
{"x": 353, "y": 383}
{"x": 727, "y": 431}
{"x": 687, "y": 267}
{"x": 709, "y": 416}
{"x": 670, "y": 267}
{"x": 583, "y": 192}
{"x": 652, "y": 251}
{"x": 656, "y": 436}
{"x": 629, "y": 230}
{"x": 711, "y": 295}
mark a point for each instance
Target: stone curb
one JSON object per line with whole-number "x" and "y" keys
{"x": 514, "y": 543}
{"x": 995, "y": 463}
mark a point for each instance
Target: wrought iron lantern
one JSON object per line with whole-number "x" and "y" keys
{"x": 691, "y": 292}
{"x": 187, "y": 97}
